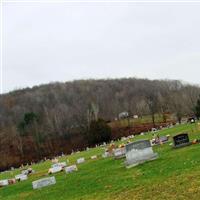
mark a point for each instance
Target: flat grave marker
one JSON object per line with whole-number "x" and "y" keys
{"x": 43, "y": 182}
{"x": 21, "y": 177}
{"x": 55, "y": 169}
{"x": 3, "y": 182}
{"x": 71, "y": 169}
{"x": 80, "y": 160}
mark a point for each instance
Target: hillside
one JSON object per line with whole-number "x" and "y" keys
{"x": 63, "y": 112}
{"x": 174, "y": 175}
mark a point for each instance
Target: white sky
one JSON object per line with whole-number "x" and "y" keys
{"x": 45, "y": 42}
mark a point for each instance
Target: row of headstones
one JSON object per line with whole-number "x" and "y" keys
{"x": 51, "y": 180}
{"x": 141, "y": 151}
{"x": 57, "y": 168}
{"x": 19, "y": 177}
{"x": 135, "y": 153}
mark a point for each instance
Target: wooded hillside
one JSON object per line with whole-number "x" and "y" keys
{"x": 49, "y": 119}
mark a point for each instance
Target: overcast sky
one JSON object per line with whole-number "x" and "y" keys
{"x": 47, "y": 42}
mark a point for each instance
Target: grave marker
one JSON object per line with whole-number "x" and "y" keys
{"x": 80, "y": 160}
{"x": 21, "y": 177}
{"x": 3, "y": 182}
{"x": 119, "y": 153}
{"x": 71, "y": 168}
{"x": 139, "y": 152}
{"x": 43, "y": 182}
{"x": 181, "y": 140}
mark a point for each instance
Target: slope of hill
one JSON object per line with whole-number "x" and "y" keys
{"x": 174, "y": 175}
{"x": 61, "y": 113}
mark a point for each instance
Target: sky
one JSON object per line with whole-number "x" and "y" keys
{"x": 50, "y": 42}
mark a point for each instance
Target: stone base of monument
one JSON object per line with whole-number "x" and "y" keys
{"x": 141, "y": 160}
{"x": 182, "y": 145}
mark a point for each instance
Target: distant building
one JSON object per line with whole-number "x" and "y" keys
{"x": 123, "y": 115}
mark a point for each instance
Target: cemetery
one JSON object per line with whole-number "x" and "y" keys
{"x": 125, "y": 169}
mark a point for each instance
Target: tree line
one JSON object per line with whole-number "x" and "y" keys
{"x": 56, "y": 117}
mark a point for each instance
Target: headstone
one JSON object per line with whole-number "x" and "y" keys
{"x": 106, "y": 154}
{"x": 55, "y": 160}
{"x": 119, "y": 153}
{"x": 139, "y": 152}
{"x": 80, "y": 160}
{"x": 43, "y": 182}
{"x": 61, "y": 164}
{"x": 27, "y": 171}
{"x": 21, "y": 177}
{"x": 71, "y": 169}
{"x": 55, "y": 169}
{"x": 94, "y": 157}
{"x": 181, "y": 140}
{"x": 160, "y": 140}
{"x": 3, "y": 182}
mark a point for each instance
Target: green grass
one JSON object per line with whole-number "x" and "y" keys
{"x": 174, "y": 175}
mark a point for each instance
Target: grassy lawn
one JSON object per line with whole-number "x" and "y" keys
{"x": 174, "y": 175}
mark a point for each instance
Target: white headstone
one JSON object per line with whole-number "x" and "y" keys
{"x": 21, "y": 177}
{"x": 44, "y": 182}
{"x": 80, "y": 160}
{"x": 3, "y": 182}
{"x": 55, "y": 169}
{"x": 106, "y": 154}
{"x": 61, "y": 164}
{"x": 94, "y": 157}
{"x": 71, "y": 169}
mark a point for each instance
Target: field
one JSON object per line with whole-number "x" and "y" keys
{"x": 174, "y": 175}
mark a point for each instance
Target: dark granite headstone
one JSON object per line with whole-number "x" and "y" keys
{"x": 181, "y": 140}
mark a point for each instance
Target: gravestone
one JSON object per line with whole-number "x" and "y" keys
{"x": 181, "y": 140}
{"x": 21, "y": 177}
{"x": 93, "y": 157}
{"x": 139, "y": 152}
{"x": 28, "y": 171}
{"x": 43, "y": 182}
{"x": 61, "y": 164}
{"x": 106, "y": 154}
{"x": 3, "y": 182}
{"x": 80, "y": 160}
{"x": 55, "y": 169}
{"x": 71, "y": 168}
{"x": 119, "y": 153}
